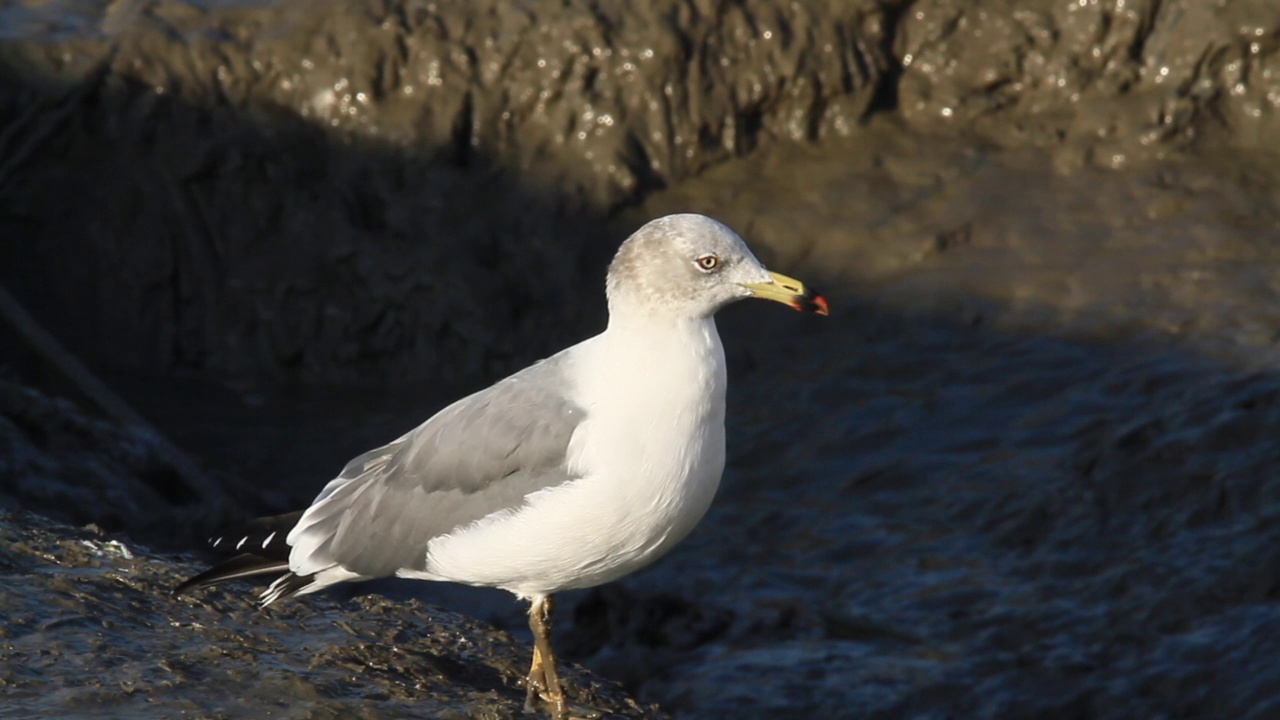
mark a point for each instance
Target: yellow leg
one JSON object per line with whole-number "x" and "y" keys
{"x": 543, "y": 689}
{"x": 535, "y": 683}
{"x": 543, "y": 681}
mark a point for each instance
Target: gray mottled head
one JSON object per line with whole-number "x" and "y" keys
{"x": 690, "y": 266}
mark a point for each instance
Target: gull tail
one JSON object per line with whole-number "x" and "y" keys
{"x": 262, "y": 547}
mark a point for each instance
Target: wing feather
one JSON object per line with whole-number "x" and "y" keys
{"x": 481, "y": 455}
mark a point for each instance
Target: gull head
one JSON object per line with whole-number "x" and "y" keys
{"x": 690, "y": 266}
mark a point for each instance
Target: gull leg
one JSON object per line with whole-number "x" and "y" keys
{"x": 536, "y": 683}
{"x": 543, "y": 684}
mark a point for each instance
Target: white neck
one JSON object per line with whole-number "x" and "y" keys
{"x": 678, "y": 363}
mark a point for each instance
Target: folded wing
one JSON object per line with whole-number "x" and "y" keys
{"x": 484, "y": 454}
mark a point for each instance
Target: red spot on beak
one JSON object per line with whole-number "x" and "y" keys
{"x": 810, "y": 302}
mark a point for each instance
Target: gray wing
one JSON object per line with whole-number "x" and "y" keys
{"x": 484, "y": 454}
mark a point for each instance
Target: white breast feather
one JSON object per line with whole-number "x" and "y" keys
{"x": 650, "y": 453}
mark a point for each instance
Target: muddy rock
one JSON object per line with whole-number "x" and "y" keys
{"x": 60, "y": 461}
{"x": 342, "y": 190}
{"x": 94, "y": 632}
{"x": 1108, "y": 82}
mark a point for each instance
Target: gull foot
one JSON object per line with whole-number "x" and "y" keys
{"x": 559, "y": 709}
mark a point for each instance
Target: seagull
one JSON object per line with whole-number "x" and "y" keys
{"x": 573, "y": 472}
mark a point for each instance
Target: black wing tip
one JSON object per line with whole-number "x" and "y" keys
{"x": 193, "y": 583}
{"x": 265, "y": 546}
{"x": 264, "y": 536}
{"x": 186, "y": 586}
{"x": 240, "y": 566}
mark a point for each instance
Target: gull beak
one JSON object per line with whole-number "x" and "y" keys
{"x": 788, "y": 291}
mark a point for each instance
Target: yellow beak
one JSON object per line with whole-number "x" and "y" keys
{"x": 788, "y": 291}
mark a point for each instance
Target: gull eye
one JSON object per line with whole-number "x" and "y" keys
{"x": 707, "y": 263}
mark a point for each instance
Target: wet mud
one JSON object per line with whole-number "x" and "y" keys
{"x": 956, "y": 523}
{"x": 67, "y": 464}
{"x": 1176, "y": 252}
{"x": 1024, "y": 469}
{"x": 93, "y": 632}
{"x": 409, "y": 178}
